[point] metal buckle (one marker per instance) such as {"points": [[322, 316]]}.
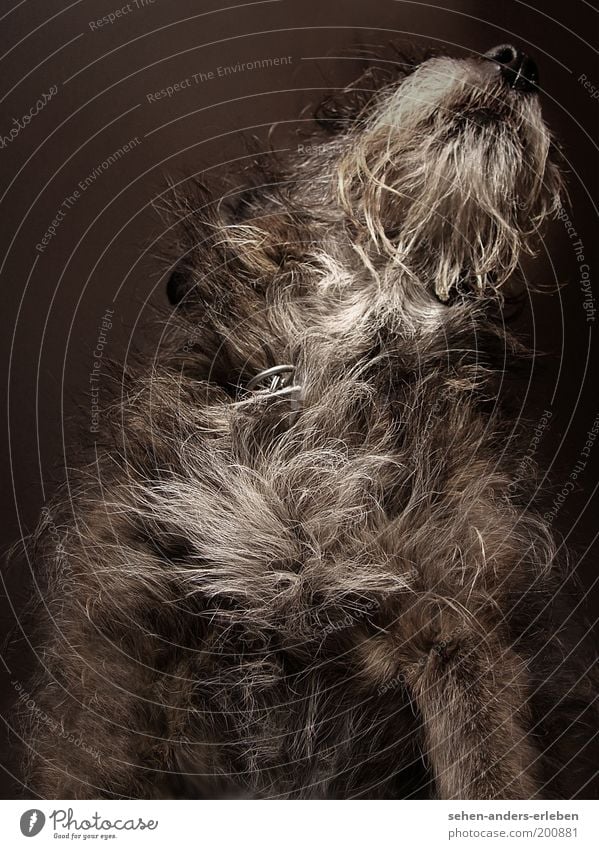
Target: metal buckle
{"points": [[271, 380], [275, 382]]}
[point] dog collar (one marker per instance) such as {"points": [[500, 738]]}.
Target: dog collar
{"points": [[273, 381]]}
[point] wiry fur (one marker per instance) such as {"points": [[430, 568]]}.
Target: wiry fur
{"points": [[346, 594]]}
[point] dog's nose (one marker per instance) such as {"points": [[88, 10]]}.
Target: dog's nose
{"points": [[518, 70]]}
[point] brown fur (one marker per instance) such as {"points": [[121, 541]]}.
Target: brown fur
{"points": [[344, 590]]}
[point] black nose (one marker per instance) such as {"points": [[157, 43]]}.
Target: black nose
{"points": [[518, 70]]}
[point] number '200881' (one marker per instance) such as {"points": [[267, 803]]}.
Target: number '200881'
{"points": [[556, 832]]}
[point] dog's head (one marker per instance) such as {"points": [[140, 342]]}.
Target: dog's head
{"points": [[436, 186], [448, 172]]}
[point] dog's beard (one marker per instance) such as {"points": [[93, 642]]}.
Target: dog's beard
{"points": [[450, 177]]}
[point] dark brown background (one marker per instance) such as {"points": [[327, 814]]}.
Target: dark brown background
{"points": [[102, 254]]}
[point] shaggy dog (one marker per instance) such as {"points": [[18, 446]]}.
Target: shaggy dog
{"points": [[303, 561]]}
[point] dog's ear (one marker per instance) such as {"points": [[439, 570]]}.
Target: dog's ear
{"points": [[342, 108], [382, 66]]}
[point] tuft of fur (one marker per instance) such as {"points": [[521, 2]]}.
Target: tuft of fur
{"points": [[344, 592]]}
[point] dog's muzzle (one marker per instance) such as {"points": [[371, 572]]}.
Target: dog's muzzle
{"points": [[519, 71]]}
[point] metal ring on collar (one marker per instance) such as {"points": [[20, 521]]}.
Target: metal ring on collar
{"points": [[280, 377]]}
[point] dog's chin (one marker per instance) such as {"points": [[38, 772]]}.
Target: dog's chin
{"points": [[501, 157], [452, 174], [480, 117]]}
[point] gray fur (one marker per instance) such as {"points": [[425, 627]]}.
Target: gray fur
{"points": [[344, 593]]}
